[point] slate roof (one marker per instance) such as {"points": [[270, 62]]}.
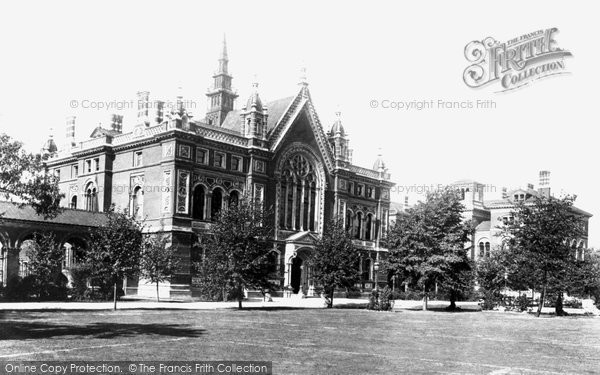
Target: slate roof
{"points": [[12, 211], [275, 109]]}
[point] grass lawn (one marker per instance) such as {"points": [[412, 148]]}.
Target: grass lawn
{"points": [[312, 341]]}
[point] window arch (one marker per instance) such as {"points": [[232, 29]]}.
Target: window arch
{"points": [[487, 249], [198, 198], [73, 203]]}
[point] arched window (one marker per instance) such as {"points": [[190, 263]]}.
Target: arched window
{"points": [[299, 194], [358, 225], [369, 224], [73, 204], [198, 203], [349, 223], [137, 203], [481, 250], [234, 198], [487, 249], [91, 197], [216, 203]]}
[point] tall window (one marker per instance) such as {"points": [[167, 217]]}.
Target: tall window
{"points": [[88, 166], [369, 227], [216, 203], [91, 198], [349, 224], [358, 226], [234, 198], [198, 203], [298, 203], [97, 164], [75, 170], [138, 159], [137, 206], [73, 204]]}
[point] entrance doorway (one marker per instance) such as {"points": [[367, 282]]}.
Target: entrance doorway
{"points": [[296, 278]]}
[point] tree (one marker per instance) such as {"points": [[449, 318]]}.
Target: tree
{"points": [[24, 179], [238, 254], [116, 248], [334, 261], [427, 245], [158, 259], [539, 238], [45, 265]]}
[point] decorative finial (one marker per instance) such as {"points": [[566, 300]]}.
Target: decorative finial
{"points": [[224, 52], [303, 81], [255, 82]]}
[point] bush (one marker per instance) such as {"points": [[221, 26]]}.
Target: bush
{"points": [[522, 303], [490, 300], [381, 301], [20, 289], [410, 295]]}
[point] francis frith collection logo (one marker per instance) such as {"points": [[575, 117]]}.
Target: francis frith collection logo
{"points": [[514, 63]]}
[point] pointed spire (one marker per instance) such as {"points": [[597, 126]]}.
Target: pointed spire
{"points": [[379, 164], [224, 52], [337, 128]]}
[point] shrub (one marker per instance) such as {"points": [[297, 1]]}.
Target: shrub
{"points": [[490, 300], [522, 303], [381, 301]]}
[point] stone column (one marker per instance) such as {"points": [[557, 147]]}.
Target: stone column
{"points": [[285, 203], [207, 205], [303, 192], [309, 206]]}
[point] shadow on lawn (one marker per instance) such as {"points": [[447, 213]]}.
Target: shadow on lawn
{"points": [[23, 330]]}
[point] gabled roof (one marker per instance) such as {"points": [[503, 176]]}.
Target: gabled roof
{"points": [[484, 226], [12, 211], [99, 131], [305, 236]]}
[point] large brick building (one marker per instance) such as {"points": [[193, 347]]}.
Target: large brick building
{"points": [[177, 171]]}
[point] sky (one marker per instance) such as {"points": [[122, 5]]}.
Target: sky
{"points": [[62, 58]]}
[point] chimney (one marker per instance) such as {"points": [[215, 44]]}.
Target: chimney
{"points": [[406, 205], [116, 123], [160, 114], [504, 193], [544, 186], [143, 107], [70, 127]]}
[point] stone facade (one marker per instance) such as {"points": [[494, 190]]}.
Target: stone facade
{"points": [[176, 172]]}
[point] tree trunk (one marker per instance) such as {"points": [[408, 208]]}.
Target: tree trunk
{"points": [[330, 302], [157, 296], [559, 305], [541, 305], [240, 296], [452, 306], [424, 300], [115, 296]]}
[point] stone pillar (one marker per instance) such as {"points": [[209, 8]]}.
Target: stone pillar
{"points": [[309, 206], [207, 205], [303, 192]]}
